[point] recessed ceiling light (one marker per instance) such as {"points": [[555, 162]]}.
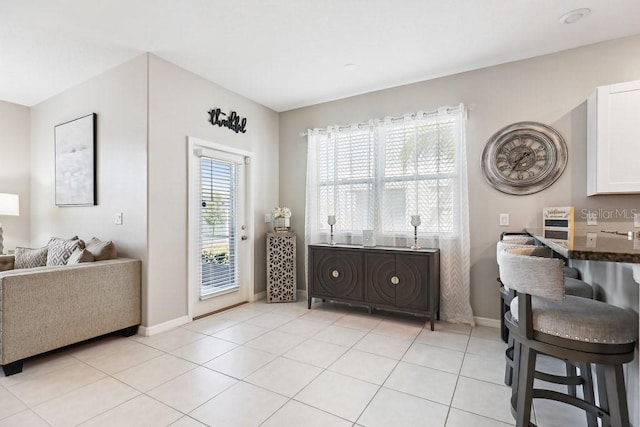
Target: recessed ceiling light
{"points": [[350, 67], [574, 16]]}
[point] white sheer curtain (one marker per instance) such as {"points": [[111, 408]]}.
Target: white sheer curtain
{"points": [[375, 175]]}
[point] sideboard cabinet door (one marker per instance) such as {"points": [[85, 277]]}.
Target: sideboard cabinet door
{"points": [[397, 281], [412, 289], [336, 273]]}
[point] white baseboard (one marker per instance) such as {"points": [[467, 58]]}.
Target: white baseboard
{"points": [[147, 331], [485, 321], [260, 295]]}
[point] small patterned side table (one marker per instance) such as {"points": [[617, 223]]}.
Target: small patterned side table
{"points": [[281, 267]]}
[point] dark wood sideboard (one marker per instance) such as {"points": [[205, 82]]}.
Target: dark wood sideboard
{"points": [[388, 278]]}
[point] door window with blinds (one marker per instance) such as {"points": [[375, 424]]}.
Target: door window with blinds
{"points": [[376, 176], [218, 226]]}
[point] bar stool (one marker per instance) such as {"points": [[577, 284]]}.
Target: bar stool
{"points": [[543, 320], [572, 287], [519, 238], [578, 288]]}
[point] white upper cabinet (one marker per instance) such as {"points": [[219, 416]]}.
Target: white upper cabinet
{"points": [[613, 139]]}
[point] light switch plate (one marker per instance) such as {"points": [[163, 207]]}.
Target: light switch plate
{"points": [[118, 218], [504, 219], [636, 219], [592, 218], [267, 217]]}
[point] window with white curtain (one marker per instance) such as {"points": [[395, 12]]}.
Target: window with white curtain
{"points": [[376, 175]]}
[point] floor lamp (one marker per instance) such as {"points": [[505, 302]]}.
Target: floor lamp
{"points": [[9, 206]]}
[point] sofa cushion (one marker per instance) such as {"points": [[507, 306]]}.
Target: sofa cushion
{"points": [[80, 255], [29, 258], [102, 250], [60, 250]]}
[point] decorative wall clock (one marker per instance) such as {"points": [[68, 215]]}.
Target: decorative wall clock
{"points": [[524, 158]]}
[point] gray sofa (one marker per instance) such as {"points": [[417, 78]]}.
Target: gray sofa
{"points": [[45, 308]]}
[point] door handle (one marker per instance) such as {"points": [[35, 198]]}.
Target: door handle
{"points": [[244, 237]]}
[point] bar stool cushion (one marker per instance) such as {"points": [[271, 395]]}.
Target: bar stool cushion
{"points": [[582, 319], [577, 288], [572, 272]]}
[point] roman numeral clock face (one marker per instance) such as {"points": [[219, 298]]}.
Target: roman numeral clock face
{"points": [[524, 158]]}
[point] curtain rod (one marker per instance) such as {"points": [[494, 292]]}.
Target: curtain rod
{"points": [[439, 112]]}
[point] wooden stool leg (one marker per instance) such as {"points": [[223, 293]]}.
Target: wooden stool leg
{"points": [[525, 385], [571, 372], [616, 396], [587, 391], [515, 373], [508, 368], [603, 400]]}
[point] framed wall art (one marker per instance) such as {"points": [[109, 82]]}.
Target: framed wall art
{"points": [[75, 157]]}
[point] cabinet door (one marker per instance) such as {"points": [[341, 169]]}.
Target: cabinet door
{"points": [[613, 139], [413, 276], [337, 274], [379, 272]]}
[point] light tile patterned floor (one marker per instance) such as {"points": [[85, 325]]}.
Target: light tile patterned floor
{"points": [[276, 365]]}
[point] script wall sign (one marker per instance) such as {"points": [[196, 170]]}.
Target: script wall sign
{"points": [[230, 121]]}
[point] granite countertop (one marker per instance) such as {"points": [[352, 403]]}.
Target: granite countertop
{"points": [[596, 246]]}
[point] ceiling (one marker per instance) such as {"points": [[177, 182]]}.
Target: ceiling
{"points": [[286, 54]]}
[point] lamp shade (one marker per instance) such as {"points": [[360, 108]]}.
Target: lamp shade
{"points": [[9, 204]]}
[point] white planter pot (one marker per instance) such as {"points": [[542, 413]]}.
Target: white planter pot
{"points": [[281, 223]]}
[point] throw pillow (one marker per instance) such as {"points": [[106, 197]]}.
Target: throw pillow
{"points": [[61, 240], [102, 250], [80, 255], [29, 258], [60, 251]]}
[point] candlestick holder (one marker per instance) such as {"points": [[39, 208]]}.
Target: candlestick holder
{"points": [[331, 220], [415, 221]]}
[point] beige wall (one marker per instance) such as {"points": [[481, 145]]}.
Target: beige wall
{"points": [[146, 109], [14, 171], [551, 89], [119, 98], [178, 105]]}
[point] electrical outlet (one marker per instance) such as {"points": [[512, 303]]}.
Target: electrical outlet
{"points": [[592, 218], [267, 217], [118, 218], [504, 219], [636, 219], [591, 240]]}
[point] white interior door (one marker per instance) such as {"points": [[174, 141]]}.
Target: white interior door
{"points": [[220, 273]]}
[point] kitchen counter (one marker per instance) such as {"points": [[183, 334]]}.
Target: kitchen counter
{"points": [[596, 246]]}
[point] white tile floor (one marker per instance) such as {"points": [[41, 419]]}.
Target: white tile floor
{"points": [[276, 365]]}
